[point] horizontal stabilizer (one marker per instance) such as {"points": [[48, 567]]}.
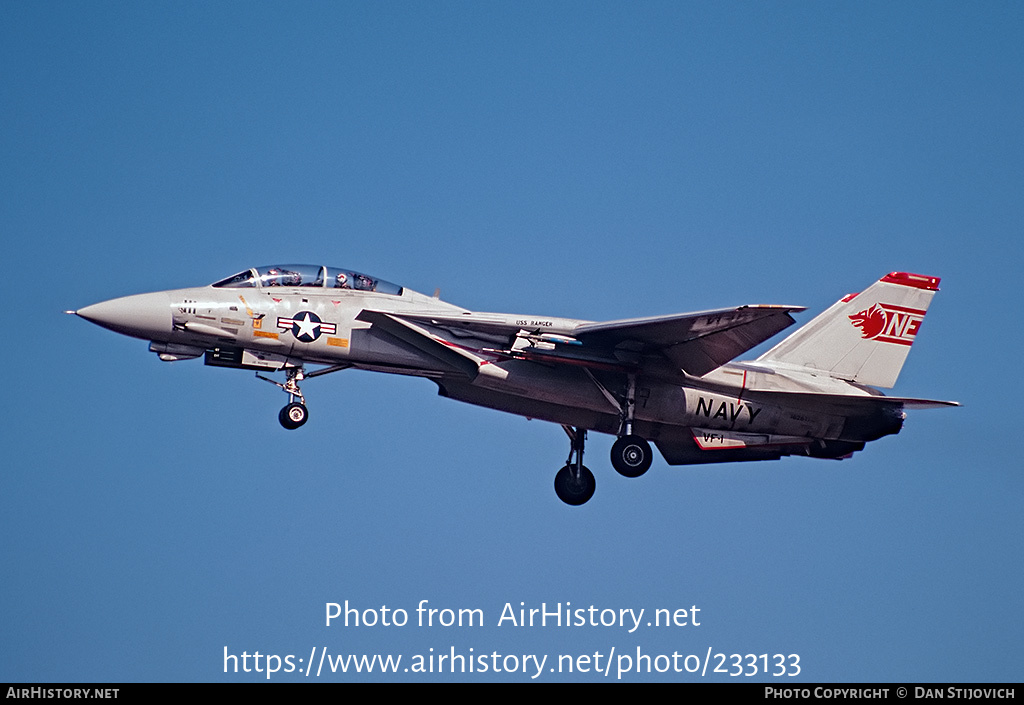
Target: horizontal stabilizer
{"points": [[908, 403], [851, 402]]}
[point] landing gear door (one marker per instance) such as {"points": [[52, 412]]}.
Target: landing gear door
{"points": [[240, 358]]}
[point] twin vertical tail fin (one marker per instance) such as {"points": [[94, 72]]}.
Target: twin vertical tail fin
{"points": [[865, 337]]}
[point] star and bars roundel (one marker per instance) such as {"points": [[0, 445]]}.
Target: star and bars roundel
{"points": [[306, 326]]}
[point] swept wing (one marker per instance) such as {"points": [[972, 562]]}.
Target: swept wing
{"points": [[695, 342]]}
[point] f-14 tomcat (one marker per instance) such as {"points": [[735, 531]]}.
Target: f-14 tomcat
{"points": [[671, 380]]}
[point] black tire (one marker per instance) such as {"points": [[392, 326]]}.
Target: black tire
{"points": [[631, 456], [574, 492], [293, 416]]}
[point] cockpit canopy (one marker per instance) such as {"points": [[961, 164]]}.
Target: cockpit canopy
{"points": [[307, 275]]}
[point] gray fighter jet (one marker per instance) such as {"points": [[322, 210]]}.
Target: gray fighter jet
{"points": [[670, 380]]}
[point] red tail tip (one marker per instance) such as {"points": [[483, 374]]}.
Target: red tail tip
{"points": [[918, 281]]}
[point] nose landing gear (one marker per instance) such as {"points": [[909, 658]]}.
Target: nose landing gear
{"points": [[295, 413]]}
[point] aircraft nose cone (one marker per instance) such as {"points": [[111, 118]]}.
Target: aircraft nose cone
{"points": [[146, 316]]}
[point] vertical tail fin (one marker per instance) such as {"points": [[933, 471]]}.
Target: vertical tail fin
{"points": [[863, 337]]}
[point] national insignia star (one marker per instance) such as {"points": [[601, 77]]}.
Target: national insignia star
{"points": [[307, 327]]}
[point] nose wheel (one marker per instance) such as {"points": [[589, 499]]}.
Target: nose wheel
{"points": [[293, 415]]}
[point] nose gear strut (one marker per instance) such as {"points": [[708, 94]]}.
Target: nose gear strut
{"points": [[294, 414]]}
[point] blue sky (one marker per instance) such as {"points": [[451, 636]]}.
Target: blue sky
{"points": [[591, 160]]}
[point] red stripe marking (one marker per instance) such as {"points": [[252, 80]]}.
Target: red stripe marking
{"points": [[903, 309]]}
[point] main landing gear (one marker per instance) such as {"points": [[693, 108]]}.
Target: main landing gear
{"points": [[631, 454], [574, 483]]}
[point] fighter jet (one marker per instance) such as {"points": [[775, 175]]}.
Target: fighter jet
{"points": [[671, 380]]}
